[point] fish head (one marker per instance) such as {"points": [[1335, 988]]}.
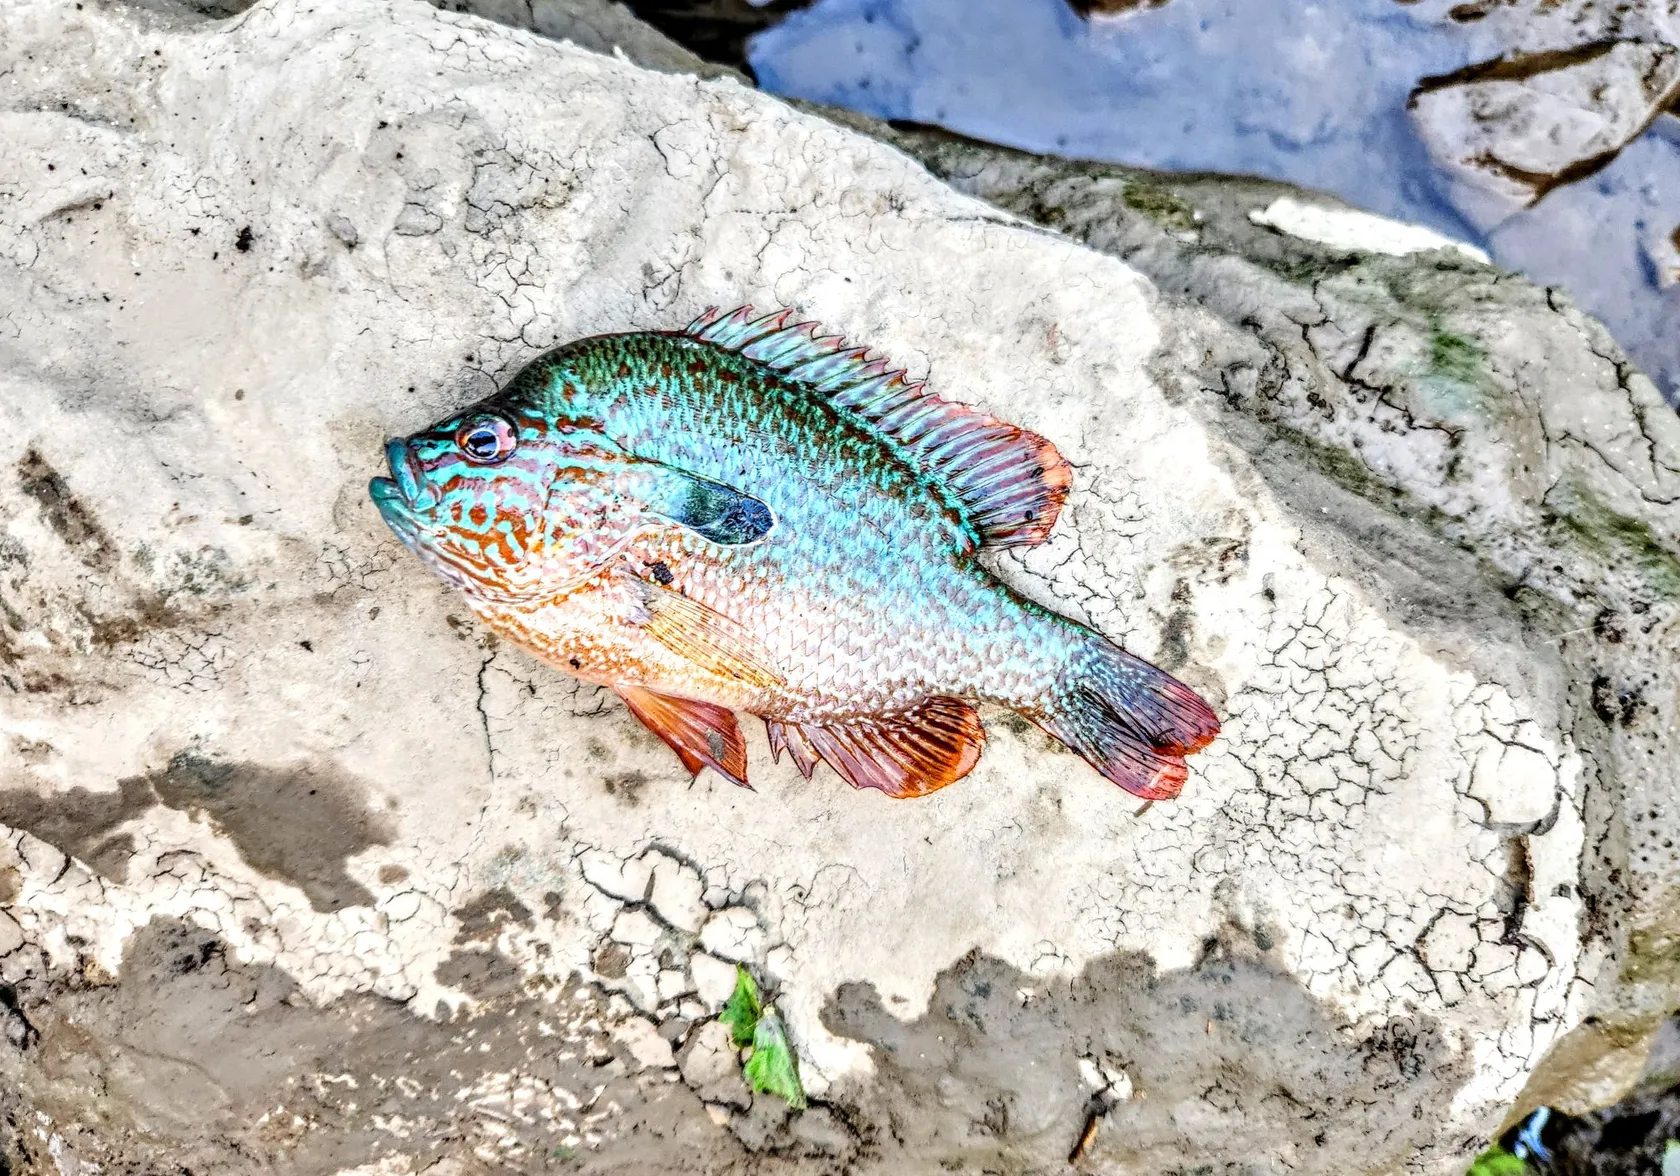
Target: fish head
{"points": [[471, 494]]}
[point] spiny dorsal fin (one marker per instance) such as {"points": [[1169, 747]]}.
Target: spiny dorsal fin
{"points": [[1011, 483]]}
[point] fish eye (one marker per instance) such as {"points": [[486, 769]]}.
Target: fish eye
{"points": [[486, 439]]}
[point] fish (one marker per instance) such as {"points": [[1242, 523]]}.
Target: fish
{"points": [[750, 515]]}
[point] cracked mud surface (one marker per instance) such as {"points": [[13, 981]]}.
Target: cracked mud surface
{"points": [[233, 705]]}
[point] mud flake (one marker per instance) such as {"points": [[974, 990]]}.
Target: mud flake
{"points": [[483, 916]]}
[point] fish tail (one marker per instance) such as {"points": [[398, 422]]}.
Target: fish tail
{"points": [[1130, 721]]}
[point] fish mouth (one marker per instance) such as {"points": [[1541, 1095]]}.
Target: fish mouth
{"points": [[403, 496], [405, 483], [405, 469]]}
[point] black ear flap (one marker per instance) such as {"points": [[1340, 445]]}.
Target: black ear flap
{"points": [[724, 515], [708, 508]]}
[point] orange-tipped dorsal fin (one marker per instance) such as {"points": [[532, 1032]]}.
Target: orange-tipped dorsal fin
{"points": [[702, 735], [907, 753], [1009, 483]]}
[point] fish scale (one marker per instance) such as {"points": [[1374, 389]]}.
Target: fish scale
{"points": [[749, 515]]}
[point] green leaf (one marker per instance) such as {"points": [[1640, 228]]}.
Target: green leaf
{"points": [[1671, 1158], [1496, 1161], [742, 1010], [773, 1069]]}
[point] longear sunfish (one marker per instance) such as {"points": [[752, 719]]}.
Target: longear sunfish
{"points": [[746, 515]]}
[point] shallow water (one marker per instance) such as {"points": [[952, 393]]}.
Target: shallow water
{"points": [[1314, 94]]}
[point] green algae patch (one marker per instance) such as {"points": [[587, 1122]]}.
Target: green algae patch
{"points": [[1340, 466], [1167, 209], [1456, 357], [1303, 268], [1613, 536], [773, 1067], [1447, 375], [1496, 1161]]}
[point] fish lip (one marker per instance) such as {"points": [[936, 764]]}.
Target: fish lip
{"points": [[393, 507], [386, 493], [402, 498], [405, 475]]}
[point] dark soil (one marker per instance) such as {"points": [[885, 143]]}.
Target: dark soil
{"points": [[717, 30], [1624, 1140]]}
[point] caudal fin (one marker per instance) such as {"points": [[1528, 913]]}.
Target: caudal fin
{"points": [[1129, 720]]}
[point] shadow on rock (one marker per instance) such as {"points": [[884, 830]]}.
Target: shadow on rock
{"points": [[192, 1061]]}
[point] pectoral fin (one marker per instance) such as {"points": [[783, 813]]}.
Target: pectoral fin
{"points": [[702, 735], [700, 634]]}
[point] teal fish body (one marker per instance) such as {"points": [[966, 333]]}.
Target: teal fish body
{"points": [[748, 516]]}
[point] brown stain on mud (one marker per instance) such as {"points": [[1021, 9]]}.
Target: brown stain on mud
{"points": [[121, 612], [71, 521], [483, 916], [80, 821], [296, 823], [626, 787]]}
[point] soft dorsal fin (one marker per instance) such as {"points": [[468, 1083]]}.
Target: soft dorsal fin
{"points": [[1009, 482]]}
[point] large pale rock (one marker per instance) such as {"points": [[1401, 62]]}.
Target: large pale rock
{"points": [[1571, 84], [1425, 408], [235, 255], [1538, 26]]}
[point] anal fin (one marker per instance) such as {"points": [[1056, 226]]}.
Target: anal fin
{"points": [[702, 734], [789, 738], [908, 753]]}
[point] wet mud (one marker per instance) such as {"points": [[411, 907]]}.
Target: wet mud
{"points": [[296, 823]]}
